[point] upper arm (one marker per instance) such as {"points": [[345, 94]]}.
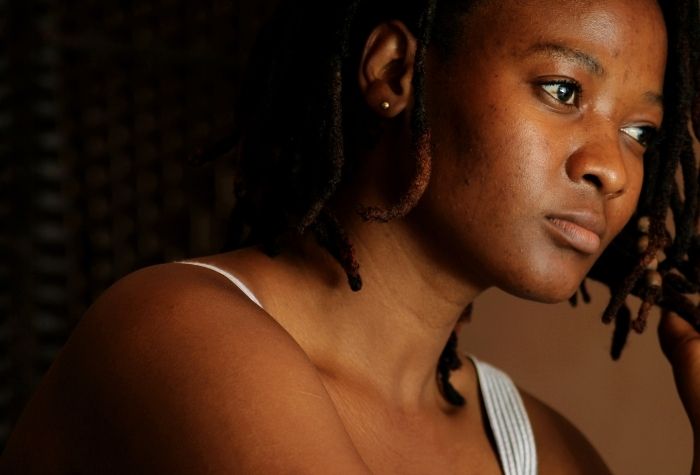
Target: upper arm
{"points": [[561, 447], [171, 377]]}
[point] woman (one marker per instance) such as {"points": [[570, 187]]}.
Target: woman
{"points": [[397, 159]]}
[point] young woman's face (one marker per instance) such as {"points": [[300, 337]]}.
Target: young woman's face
{"points": [[540, 119]]}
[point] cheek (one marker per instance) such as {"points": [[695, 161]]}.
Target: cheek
{"points": [[520, 157], [497, 159], [499, 167]]}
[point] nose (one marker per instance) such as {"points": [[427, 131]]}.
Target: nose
{"points": [[599, 162]]}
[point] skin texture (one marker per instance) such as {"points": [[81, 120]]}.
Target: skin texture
{"points": [[200, 380], [511, 155]]}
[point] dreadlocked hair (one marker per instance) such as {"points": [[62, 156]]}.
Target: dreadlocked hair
{"points": [[657, 265], [302, 131], [294, 150]]}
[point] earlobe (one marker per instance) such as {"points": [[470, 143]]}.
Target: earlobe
{"points": [[386, 69]]}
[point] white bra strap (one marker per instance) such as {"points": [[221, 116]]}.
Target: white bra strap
{"points": [[508, 420], [234, 280]]}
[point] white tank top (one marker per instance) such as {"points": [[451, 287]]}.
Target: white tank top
{"points": [[505, 411]]}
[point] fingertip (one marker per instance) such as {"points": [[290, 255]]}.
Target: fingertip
{"points": [[675, 323], [673, 332], [670, 330]]}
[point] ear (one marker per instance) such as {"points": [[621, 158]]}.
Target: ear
{"points": [[386, 69]]}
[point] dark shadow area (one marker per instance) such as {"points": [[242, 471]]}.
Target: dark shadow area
{"points": [[101, 104]]}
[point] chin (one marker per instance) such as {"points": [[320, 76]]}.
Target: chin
{"points": [[542, 297], [545, 287]]}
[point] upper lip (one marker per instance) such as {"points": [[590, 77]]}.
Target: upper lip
{"points": [[590, 220]]}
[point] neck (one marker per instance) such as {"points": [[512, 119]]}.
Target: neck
{"points": [[390, 334]]}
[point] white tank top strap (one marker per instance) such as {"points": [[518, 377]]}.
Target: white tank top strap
{"points": [[508, 420], [234, 280]]}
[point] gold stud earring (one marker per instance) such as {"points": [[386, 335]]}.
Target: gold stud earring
{"points": [[385, 105]]}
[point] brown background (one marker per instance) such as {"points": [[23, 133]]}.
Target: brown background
{"points": [[628, 409]]}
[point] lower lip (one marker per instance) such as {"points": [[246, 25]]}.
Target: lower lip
{"points": [[577, 237]]}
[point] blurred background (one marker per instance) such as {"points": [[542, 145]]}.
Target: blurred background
{"points": [[101, 104]]}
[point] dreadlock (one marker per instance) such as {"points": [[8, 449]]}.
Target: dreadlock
{"points": [[302, 130], [648, 260]]}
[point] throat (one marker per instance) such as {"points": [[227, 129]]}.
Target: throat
{"points": [[430, 402]]}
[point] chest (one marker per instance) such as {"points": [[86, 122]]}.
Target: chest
{"points": [[422, 456], [394, 442]]}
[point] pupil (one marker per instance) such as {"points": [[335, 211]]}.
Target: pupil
{"points": [[645, 137], [564, 92]]}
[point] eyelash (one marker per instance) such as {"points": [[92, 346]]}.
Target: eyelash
{"points": [[558, 85], [646, 136]]}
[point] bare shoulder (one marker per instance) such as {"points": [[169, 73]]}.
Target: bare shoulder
{"points": [[561, 447], [174, 370]]}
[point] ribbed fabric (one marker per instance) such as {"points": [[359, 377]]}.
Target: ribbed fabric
{"points": [[508, 420], [504, 407], [229, 276]]}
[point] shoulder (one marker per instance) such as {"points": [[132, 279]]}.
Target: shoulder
{"points": [[561, 447], [174, 370]]}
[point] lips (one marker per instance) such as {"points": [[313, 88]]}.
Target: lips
{"points": [[581, 230]]}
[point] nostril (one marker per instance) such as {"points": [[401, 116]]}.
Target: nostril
{"points": [[595, 179]]}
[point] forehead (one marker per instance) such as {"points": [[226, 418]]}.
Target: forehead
{"points": [[616, 26], [624, 37]]}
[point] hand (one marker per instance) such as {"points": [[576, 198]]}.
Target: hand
{"points": [[680, 343]]}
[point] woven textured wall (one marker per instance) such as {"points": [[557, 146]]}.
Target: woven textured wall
{"points": [[101, 103]]}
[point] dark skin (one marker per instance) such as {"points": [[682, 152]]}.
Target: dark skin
{"points": [[524, 156], [179, 361]]}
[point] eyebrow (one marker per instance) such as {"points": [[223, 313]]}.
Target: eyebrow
{"points": [[590, 63], [654, 98], [557, 50]]}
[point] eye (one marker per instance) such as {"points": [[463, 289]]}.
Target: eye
{"points": [[644, 135], [566, 92]]}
